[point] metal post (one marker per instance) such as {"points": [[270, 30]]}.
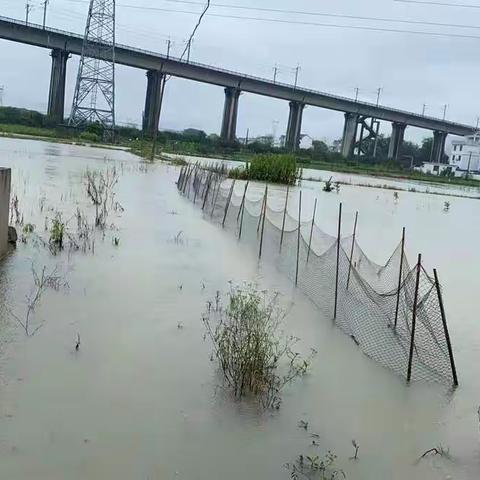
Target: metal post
{"points": [[263, 221], [298, 235], [216, 197], [400, 278], [242, 210], [243, 200], [338, 259], [284, 216], [445, 328], [195, 187], [351, 251], [209, 181], [311, 230], [414, 318], [261, 215], [228, 203]]}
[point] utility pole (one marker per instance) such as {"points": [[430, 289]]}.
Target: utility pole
{"points": [[246, 138], [2, 90], [275, 71], [297, 69], [28, 8], [356, 94], [169, 44], [423, 109], [45, 4], [445, 111]]}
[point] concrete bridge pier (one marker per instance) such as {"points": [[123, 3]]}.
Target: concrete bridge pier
{"points": [[349, 134], [230, 114], [438, 147], [396, 140], [294, 127], [56, 95], [153, 101]]}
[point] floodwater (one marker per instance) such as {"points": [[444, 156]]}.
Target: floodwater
{"points": [[365, 180], [139, 400]]}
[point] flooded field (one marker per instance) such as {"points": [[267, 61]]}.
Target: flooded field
{"points": [[140, 398]]}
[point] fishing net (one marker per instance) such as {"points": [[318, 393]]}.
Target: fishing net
{"points": [[381, 307]]}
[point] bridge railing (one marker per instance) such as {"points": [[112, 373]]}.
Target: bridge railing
{"points": [[237, 74]]}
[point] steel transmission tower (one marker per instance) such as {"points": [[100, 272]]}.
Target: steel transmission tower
{"points": [[94, 99]]}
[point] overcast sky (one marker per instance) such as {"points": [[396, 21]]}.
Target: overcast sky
{"points": [[412, 69]]}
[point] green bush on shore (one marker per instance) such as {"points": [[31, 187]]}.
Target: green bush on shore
{"points": [[269, 168]]}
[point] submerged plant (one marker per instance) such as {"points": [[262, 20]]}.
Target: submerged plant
{"points": [[328, 187], [253, 355], [57, 232], [41, 282], [100, 190], [314, 467]]}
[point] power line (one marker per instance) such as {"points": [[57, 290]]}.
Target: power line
{"points": [[328, 25], [304, 12], [441, 4], [319, 24]]}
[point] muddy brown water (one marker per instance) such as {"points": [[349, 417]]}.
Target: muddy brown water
{"points": [[139, 400]]}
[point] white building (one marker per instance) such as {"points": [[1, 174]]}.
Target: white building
{"points": [[465, 155]]}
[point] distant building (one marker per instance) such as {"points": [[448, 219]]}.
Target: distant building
{"points": [[431, 168], [465, 155]]}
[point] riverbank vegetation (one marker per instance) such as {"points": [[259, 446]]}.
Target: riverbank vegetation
{"points": [[194, 142], [269, 168]]}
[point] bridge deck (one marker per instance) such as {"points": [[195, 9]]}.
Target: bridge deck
{"points": [[31, 34]]}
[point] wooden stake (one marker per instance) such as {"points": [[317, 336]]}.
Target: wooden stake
{"points": [[228, 203], [445, 328], [263, 221], [261, 214], [338, 259], [242, 210], [414, 318], [351, 251], [311, 230], [284, 216], [298, 235], [400, 279]]}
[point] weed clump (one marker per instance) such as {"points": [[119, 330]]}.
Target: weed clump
{"points": [[254, 357]]}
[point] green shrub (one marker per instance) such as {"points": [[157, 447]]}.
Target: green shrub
{"points": [[269, 168], [89, 137]]}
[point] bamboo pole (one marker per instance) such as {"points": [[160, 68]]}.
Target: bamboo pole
{"points": [[338, 260], [243, 200], [351, 251], [228, 203], [298, 235], [414, 318], [263, 221], [311, 230], [400, 278], [242, 211], [445, 328], [284, 217]]}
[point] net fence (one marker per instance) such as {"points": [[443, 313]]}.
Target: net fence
{"points": [[393, 312]]}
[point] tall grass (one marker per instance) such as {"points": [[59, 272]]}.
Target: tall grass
{"points": [[269, 168]]}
